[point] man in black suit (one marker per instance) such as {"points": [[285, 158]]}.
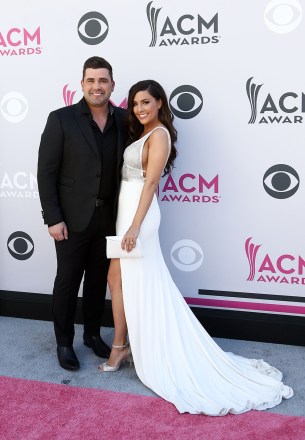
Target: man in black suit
{"points": [[79, 165]]}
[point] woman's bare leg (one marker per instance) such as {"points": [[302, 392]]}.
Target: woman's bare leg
{"points": [[120, 325]]}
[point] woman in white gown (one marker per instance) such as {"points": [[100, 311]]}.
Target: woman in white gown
{"points": [[173, 354]]}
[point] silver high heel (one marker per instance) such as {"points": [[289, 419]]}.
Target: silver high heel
{"points": [[126, 357]]}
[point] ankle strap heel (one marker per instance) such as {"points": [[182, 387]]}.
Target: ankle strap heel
{"points": [[121, 346], [127, 356]]}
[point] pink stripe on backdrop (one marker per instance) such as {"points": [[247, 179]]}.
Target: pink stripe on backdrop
{"points": [[227, 304]]}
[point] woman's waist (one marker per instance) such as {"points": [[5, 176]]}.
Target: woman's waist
{"points": [[137, 180], [132, 173]]}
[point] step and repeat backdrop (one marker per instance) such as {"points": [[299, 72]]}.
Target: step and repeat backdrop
{"points": [[233, 212]]}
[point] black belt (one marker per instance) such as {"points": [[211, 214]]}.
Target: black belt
{"points": [[102, 202]]}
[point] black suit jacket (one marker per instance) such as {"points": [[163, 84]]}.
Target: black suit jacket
{"points": [[69, 166]]}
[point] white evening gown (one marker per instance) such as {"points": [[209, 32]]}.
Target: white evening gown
{"points": [[173, 354]]}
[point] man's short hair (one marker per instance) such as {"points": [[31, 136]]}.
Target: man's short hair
{"points": [[97, 63]]}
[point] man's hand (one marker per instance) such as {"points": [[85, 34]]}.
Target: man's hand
{"points": [[59, 232]]}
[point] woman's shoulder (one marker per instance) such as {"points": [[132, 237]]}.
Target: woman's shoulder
{"points": [[159, 132], [159, 137]]}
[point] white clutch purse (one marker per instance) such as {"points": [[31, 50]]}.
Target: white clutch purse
{"points": [[114, 250]]}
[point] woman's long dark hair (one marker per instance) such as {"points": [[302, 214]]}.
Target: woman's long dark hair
{"points": [[165, 116]]}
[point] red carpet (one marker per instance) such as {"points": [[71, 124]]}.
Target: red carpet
{"points": [[36, 410]]}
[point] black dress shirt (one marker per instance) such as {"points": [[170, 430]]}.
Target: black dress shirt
{"points": [[106, 141]]}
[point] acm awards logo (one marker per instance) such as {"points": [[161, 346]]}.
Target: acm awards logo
{"points": [[284, 109], [20, 245], [282, 269], [93, 28], [19, 185], [186, 30], [68, 95], [281, 181], [189, 188], [16, 41]]}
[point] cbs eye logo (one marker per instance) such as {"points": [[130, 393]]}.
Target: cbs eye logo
{"points": [[20, 245], [93, 28], [187, 255], [14, 107], [281, 181], [283, 16], [186, 102]]}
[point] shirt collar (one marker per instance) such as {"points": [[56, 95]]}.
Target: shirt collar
{"points": [[86, 109]]}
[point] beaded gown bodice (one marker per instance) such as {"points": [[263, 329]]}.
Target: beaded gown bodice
{"points": [[132, 166]]}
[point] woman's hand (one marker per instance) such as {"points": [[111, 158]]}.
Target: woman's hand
{"points": [[130, 238]]}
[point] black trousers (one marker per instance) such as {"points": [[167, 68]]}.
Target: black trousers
{"points": [[84, 253]]}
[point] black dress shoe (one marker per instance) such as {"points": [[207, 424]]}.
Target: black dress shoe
{"points": [[67, 358], [98, 345]]}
